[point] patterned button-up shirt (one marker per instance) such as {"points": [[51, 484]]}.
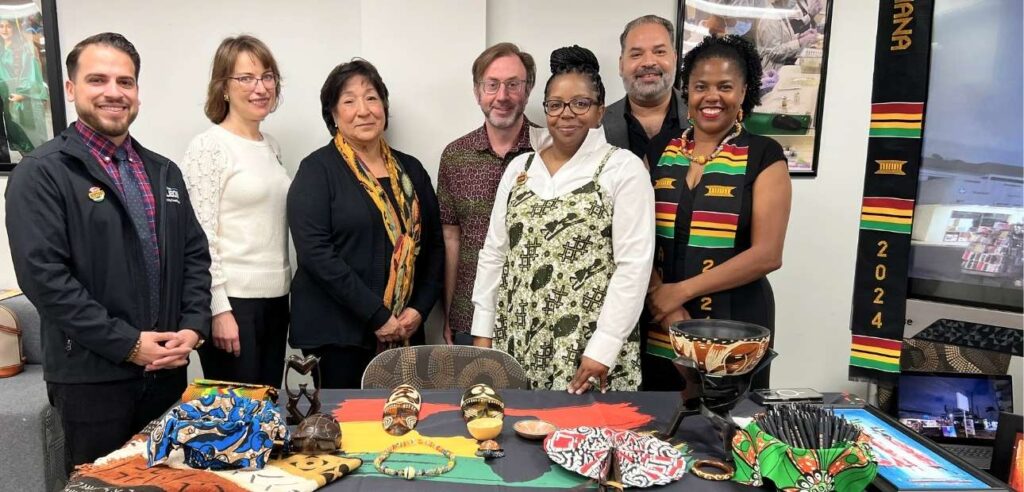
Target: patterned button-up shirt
{"points": [[466, 184], [102, 149]]}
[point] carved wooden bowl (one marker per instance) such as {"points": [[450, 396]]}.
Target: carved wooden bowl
{"points": [[720, 347]]}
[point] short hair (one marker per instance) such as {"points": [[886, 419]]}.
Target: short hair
{"points": [[336, 80], [500, 50], [576, 59], [227, 53], [647, 19], [733, 48], [111, 39]]}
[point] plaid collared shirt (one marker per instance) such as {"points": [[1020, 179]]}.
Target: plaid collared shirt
{"points": [[102, 149]]}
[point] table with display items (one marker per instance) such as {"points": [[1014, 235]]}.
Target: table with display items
{"points": [[525, 465]]}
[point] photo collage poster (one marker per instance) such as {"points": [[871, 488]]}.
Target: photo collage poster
{"points": [[791, 36]]}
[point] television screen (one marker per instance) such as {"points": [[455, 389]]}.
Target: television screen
{"points": [[969, 222], [960, 406]]}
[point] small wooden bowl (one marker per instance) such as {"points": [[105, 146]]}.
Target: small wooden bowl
{"points": [[534, 429]]}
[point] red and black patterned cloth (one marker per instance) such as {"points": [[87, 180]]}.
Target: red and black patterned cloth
{"points": [[467, 181]]}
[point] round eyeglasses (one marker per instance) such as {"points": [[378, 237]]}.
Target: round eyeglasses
{"points": [[579, 107], [249, 81]]}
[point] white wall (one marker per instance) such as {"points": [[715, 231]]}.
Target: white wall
{"points": [[814, 288], [424, 50], [541, 26], [176, 41]]}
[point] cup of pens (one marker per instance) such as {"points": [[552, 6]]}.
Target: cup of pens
{"points": [[803, 447]]}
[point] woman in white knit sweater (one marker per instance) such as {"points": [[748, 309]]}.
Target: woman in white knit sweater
{"points": [[238, 187]]}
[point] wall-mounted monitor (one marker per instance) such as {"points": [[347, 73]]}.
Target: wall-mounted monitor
{"points": [[968, 236]]}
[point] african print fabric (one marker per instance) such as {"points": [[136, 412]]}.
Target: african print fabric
{"points": [[759, 456], [219, 442], [554, 282], [219, 432], [126, 470], [202, 387], [623, 456]]}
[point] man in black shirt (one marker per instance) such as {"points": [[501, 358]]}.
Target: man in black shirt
{"points": [[647, 64]]}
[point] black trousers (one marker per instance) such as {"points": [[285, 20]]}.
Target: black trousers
{"points": [[462, 338], [341, 367], [98, 418], [262, 333]]}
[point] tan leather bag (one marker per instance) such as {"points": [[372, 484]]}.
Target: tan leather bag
{"points": [[12, 361]]}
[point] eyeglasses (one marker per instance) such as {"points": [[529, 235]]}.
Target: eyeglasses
{"points": [[579, 107], [249, 81], [514, 86]]}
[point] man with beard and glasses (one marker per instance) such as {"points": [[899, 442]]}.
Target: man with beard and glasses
{"points": [[651, 107], [106, 246], [470, 170]]}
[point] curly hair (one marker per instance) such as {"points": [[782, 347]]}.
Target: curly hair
{"points": [[576, 59], [733, 48]]}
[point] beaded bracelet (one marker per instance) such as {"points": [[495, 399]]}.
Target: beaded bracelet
{"points": [[409, 472], [135, 351]]}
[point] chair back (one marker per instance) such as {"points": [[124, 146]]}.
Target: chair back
{"points": [[444, 367]]}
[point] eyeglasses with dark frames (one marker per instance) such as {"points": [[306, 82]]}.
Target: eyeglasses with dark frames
{"points": [[579, 106]]}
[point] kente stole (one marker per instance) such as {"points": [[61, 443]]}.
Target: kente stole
{"points": [[717, 203]]}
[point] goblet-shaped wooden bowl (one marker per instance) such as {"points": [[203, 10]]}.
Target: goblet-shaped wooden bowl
{"points": [[720, 347]]}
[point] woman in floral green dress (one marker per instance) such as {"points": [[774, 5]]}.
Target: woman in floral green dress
{"points": [[23, 89], [563, 272]]}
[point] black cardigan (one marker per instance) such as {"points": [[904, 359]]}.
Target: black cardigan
{"points": [[340, 242]]}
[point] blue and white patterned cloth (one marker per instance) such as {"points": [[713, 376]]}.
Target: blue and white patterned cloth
{"points": [[219, 432]]}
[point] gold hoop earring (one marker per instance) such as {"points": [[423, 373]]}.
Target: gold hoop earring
{"points": [[739, 117]]}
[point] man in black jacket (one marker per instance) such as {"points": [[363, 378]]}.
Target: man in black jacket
{"points": [[651, 107], [106, 246]]}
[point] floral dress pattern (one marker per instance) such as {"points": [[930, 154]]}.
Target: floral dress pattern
{"points": [[554, 281]]}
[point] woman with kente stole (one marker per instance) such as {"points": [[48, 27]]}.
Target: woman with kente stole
{"points": [[563, 272], [723, 201]]}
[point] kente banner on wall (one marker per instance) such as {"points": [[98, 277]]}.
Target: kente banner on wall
{"points": [[900, 88]]}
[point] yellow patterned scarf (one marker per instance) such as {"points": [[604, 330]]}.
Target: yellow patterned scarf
{"points": [[402, 225]]}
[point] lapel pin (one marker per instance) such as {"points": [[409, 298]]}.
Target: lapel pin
{"points": [[96, 194]]}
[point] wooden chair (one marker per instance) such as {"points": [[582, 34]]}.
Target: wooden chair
{"points": [[444, 367]]}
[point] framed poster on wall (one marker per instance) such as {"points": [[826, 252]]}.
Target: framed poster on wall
{"points": [[792, 38], [31, 91]]}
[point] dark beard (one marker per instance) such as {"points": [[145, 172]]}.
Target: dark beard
{"points": [[105, 128]]}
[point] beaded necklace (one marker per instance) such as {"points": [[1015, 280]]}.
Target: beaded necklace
{"points": [[700, 160], [409, 472]]}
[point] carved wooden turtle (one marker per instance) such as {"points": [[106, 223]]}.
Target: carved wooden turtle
{"points": [[317, 434], [490, 449]]}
